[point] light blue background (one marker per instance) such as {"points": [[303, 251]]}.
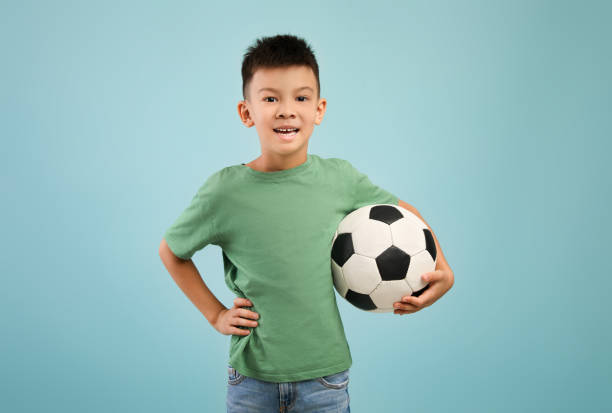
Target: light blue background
{"points": [[491, 118]]}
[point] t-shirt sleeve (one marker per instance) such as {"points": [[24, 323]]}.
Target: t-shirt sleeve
{"points": [[364, 192], [195, 227]]}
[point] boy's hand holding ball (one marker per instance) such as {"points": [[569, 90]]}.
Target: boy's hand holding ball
{"points": [[440, 281]]}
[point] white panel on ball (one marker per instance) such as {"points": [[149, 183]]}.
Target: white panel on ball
{"points": [[371, 238], [389, 292], [361, 274], [419, 265], [403, 231], [350, 222]]}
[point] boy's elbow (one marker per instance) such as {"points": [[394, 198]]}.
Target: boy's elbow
{"points": [[163, 247], [166, 253], [451, 277]]}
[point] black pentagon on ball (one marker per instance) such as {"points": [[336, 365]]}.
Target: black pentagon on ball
{"points": [[362, 301], [430, 244], [393, 264], [342, 248], [385, 213]]}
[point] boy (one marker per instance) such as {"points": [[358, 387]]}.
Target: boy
{"points": [[274, 219]]}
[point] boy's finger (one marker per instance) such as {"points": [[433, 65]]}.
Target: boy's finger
{"points": [[404, 306], [420, 301], [408, 299], [402, 312], [242, 302], [240, 331], [414, 300], [248, 314], [431, 276]]}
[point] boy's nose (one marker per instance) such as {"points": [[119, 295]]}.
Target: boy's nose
{"points": [[285, 112], [286, 115]]}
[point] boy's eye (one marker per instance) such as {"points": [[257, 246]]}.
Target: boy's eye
{"points": [[299, 97]]}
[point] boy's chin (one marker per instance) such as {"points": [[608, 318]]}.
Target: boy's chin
{"points": [[289, 151]]}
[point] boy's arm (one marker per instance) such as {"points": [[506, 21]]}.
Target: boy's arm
{"points": [[187, 277]]}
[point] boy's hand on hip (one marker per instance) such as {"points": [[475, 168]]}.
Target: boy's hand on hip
{"points": [[229, 319], [440, 281]]}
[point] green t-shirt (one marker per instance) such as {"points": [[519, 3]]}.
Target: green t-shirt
{"points": [[275, 230]]}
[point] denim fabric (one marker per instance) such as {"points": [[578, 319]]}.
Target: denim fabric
{"points": [[327, 394]]}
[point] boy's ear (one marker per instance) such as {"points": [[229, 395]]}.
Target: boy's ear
{"points": [[320, 110], [244, 114]]}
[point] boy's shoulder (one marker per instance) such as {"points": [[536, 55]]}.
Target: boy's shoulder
{"points": [[333, 162], [339, 164]]}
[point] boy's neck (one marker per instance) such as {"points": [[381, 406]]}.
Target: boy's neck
{"points": [[273, 163]]}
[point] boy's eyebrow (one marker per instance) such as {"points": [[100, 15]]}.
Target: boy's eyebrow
{"points": [[274, 90]]}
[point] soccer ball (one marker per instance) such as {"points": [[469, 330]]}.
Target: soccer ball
{"points": [[378, 255]]}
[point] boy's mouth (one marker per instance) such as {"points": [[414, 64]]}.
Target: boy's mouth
{"points": [[285, 130], [286, 133]]}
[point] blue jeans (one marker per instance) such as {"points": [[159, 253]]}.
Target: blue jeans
{"points": [[325, 394]]}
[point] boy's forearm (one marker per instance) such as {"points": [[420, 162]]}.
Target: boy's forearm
{"points": [[187, 277]]}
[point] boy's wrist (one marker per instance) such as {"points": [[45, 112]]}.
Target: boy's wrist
{"points": [[213, 320]]}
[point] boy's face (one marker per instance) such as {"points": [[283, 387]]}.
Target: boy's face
{"points": [[288, 100]]}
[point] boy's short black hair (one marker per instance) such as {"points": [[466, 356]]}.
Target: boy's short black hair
{"points": [[278, 51]]}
